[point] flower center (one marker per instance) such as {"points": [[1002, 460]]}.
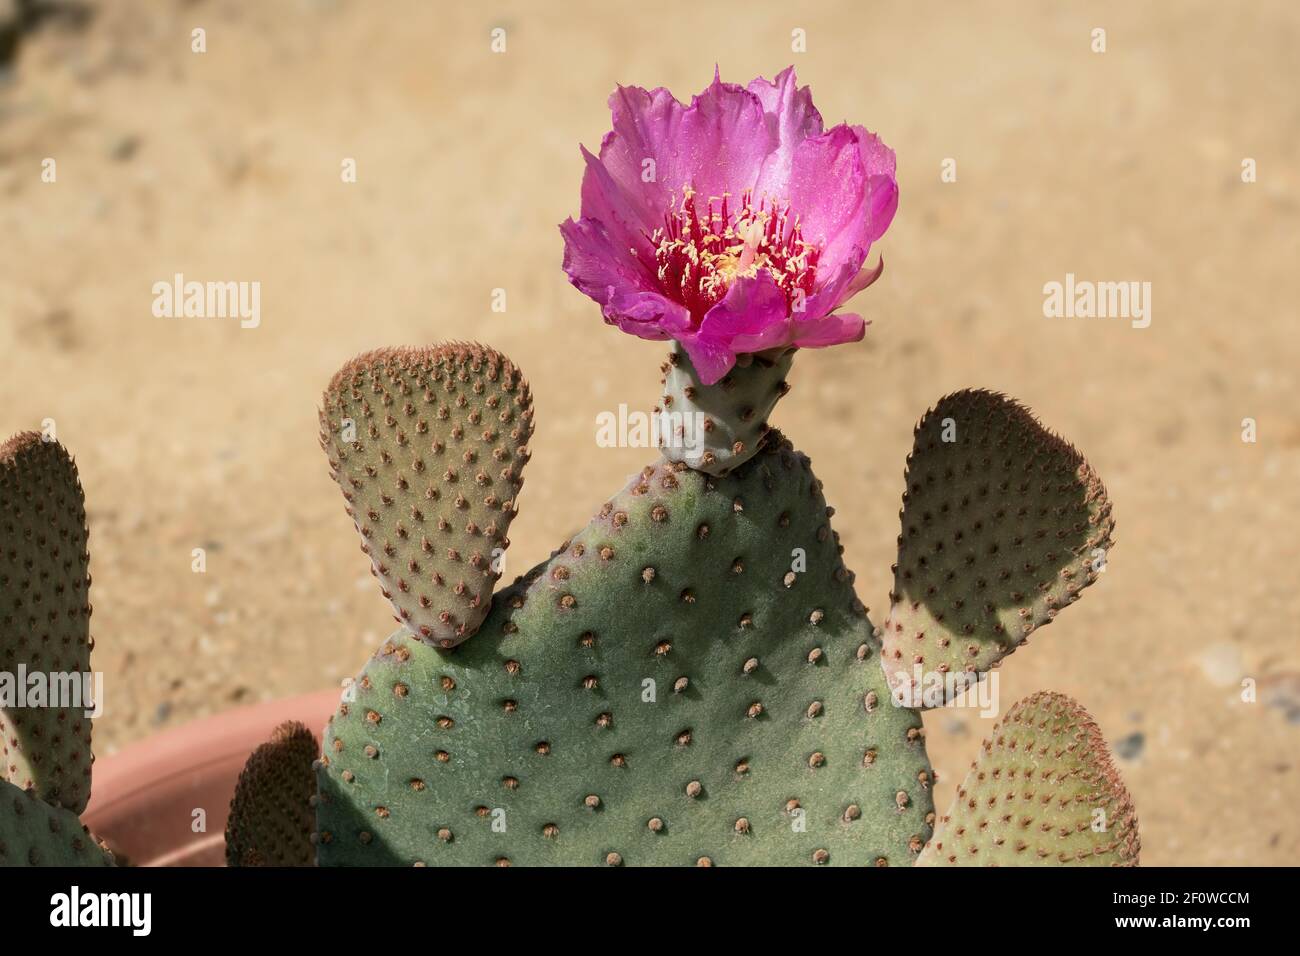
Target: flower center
{"points": [[699, 253]]}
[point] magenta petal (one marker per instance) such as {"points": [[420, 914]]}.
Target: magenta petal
{"points": [[832, 288], [882, 186], [882, 202], [625, 215], [830, 330], [715, 145], [828, 190], [791, 114], [863, 279], [751, 316], [596, 265], [712, 360], [624, 291], [877, 158], [844, 190], [842, 287], [647, 124], [647, 314], [724, 138]]}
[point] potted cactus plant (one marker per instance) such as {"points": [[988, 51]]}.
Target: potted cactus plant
{"points": [[690, 679]]}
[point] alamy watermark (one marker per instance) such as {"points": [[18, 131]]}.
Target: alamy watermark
{"points": [[72, 689], [179, 299], [1083, 299], [928, 689], [659, 429], [133, 911]]}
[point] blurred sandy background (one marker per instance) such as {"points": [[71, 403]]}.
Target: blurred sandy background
{"points": [[1117, 166]]}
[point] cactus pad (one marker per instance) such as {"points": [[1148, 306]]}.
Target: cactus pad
{"points": [[1003, 525], [688, 681], [715, 428], [33, 833], [271, 818], [428, 445], [44, 621], [1043, 792]]}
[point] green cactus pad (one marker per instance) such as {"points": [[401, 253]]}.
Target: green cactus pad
{"points": [[715, 428], [271, 816], [44, 622], [428, 445], [1003, 525], [688, 681], [33, 833], [1043, 792]]}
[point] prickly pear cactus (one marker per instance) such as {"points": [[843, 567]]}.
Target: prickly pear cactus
{"points": [[689, 680], [692, 680], [714, 429], [44, 620], [271, 819], [428, 446], [34, 833], [1043, 792], [1003, 526], [45, 752]]}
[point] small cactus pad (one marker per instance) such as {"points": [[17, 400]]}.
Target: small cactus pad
{"points": [[688, 681], [33, 833], [1003, 525], [1043, 793], [44, 623], [271, 817], [715, 428], [428, 445]]}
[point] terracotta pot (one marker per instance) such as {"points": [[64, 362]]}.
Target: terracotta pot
{"points": [[143, 798]]}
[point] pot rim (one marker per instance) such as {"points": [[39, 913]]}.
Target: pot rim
{"points": [[143, 797]]}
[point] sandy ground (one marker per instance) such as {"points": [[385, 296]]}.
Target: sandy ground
{"points": [[1123, 165]]}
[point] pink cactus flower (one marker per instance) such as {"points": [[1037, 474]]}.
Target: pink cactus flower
{"points": [[733, 225]]}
